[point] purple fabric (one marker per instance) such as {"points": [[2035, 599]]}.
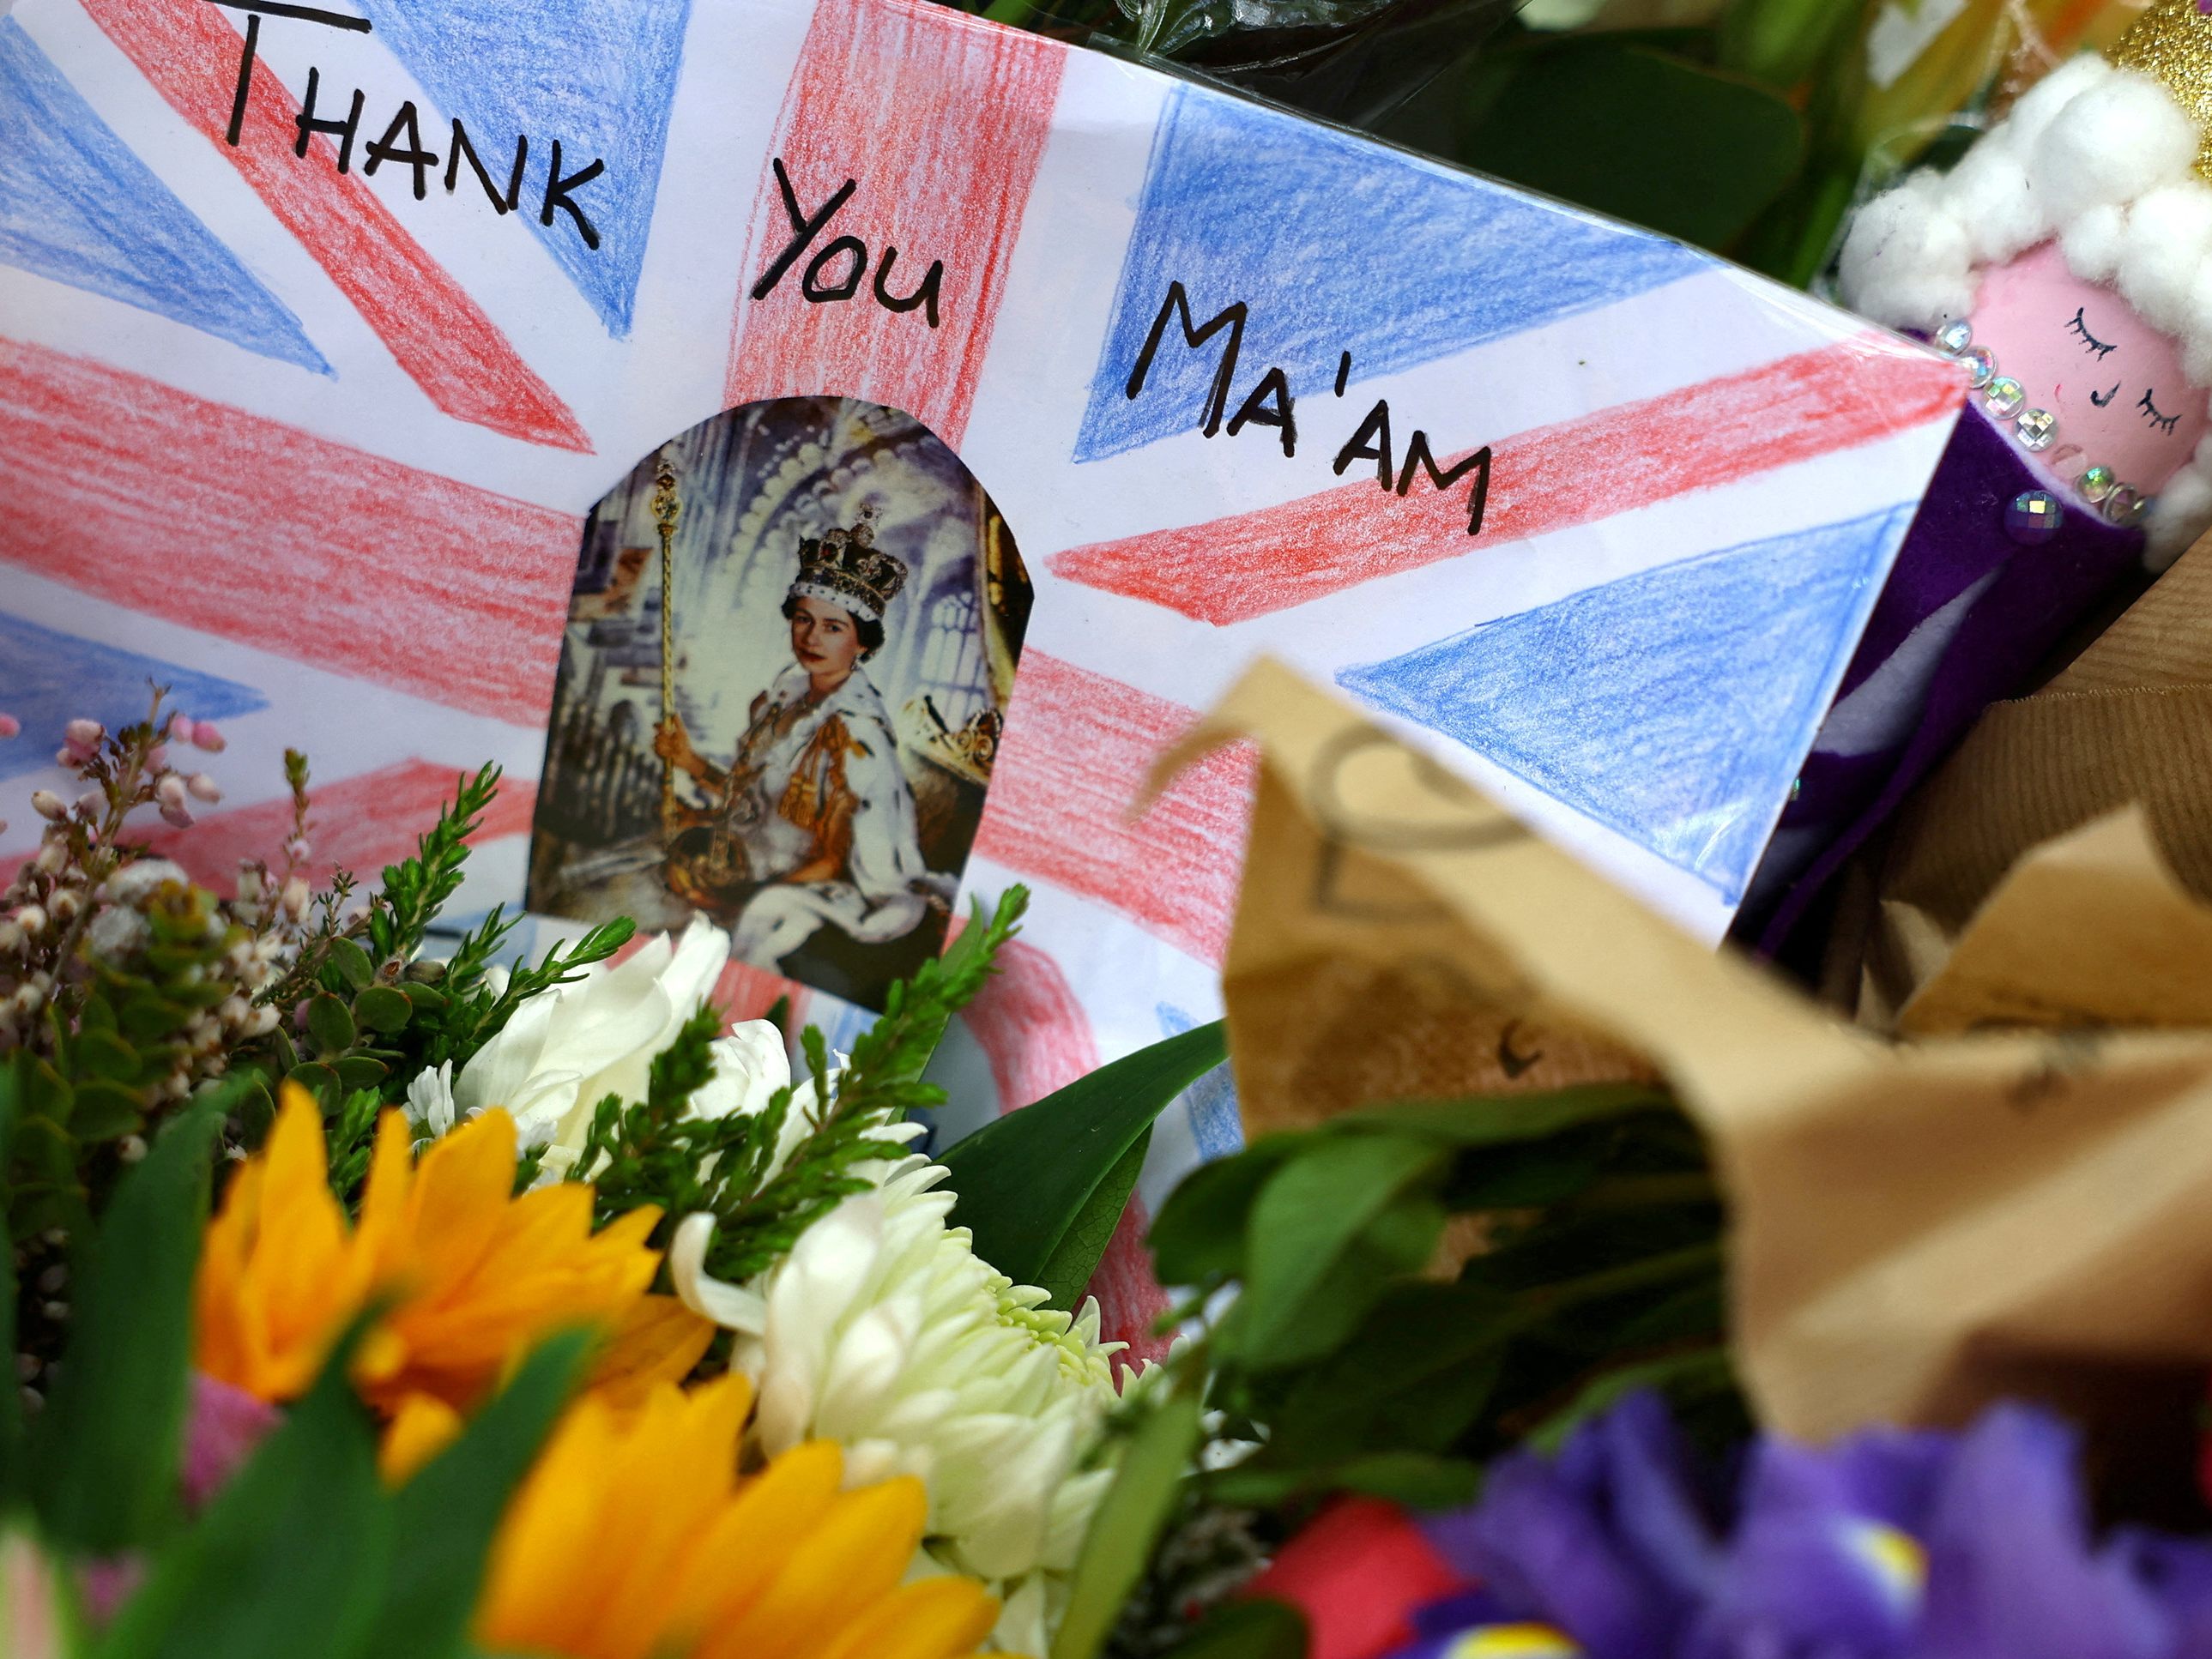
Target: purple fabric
{"points": [[1957, 537]]}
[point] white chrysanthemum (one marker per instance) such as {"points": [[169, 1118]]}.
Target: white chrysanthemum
{"points": [[568, 1048], [884, 1331]]}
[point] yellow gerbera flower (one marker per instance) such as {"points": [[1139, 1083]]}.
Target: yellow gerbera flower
{"points": [[632, 1536], [474, 1275]]}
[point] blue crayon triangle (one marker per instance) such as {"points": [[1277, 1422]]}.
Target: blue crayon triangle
{"points": [[78, 207], [1334, 244], [1673, 705], [598, 75], [48, 678]]}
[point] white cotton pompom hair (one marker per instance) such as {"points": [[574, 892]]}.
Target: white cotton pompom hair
{"points": [[2103, 158], [1908, 261]]}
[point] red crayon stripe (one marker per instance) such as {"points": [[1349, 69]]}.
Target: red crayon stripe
{"points": [[190, 52], [359, 824], [1632, 455], [1079, 747], [920, 83], [257, 531], [1031, 1027]]}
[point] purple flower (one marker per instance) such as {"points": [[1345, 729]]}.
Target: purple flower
{"points": [[1606, 1540], [1888, 1545]]}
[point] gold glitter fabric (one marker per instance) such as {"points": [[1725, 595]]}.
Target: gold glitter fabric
{"points": [[2173, 41]]}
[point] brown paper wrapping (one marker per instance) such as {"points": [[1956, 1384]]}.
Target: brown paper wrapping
{"points": [[2129, 722], [1917, 1227]]}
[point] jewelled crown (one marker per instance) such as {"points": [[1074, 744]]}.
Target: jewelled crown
{"points": [[846, 567], [2173, 41]]}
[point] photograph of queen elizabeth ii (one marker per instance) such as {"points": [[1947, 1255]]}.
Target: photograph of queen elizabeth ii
{"points": [[790, 646]]}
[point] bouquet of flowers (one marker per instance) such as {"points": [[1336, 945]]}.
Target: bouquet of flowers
{"points": [[370, 1301]]}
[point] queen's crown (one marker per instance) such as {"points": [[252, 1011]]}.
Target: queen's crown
{"points": [[847, 568]]}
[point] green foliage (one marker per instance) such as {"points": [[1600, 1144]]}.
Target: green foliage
{"points": [[1633, 125], [654, 1152], [1360, 1369], [1253, 1629], [109, 1074], [1136, 1509], [103, 1462], [305, 1552], [416, 888], [1042, 1189]]}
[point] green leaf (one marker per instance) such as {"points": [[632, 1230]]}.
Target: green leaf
{"points": [[1499, 1119], [1423, 1363], [1640, 133], [358, 1072], [103, 1111], [350, 963], [104, 1054], [1024, 1179], [330, 1025], [383, 1008], [1199, 1234], [320, 1081], [1706, 1371], [1129, 1523], [42, 1092], [1256, 1629], [1075, 1258], [1416, 1480], [446, 1516], [1302, 1231], [109, 1443], [293, 1557]]}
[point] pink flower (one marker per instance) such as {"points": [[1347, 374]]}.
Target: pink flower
{"points": [[84, 734], [169, 796], [204, 736], [203, 787], [106, 1583], [224, 1425], [9, 726], [181, 728]]}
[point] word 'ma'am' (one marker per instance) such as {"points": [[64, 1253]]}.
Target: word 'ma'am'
{"points": [[402, 143], [1269, 403]]}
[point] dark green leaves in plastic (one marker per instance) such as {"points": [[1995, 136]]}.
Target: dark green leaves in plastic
{"points": [[1027, 1180], [1129, 1523], [1638, 133], [109, 1443]]}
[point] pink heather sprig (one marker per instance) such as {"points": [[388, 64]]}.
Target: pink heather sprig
{"points": [[83, 890]]}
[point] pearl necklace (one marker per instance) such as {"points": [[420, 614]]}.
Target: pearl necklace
{"points": [[2035, 429]]}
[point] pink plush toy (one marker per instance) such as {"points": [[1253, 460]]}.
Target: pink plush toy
{"points": [[2066, 266]]}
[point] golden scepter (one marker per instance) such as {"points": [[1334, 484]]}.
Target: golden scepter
{"points": [[667, 507]]}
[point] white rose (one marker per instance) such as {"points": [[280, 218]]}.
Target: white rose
{"points": [[567, 1048]]}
